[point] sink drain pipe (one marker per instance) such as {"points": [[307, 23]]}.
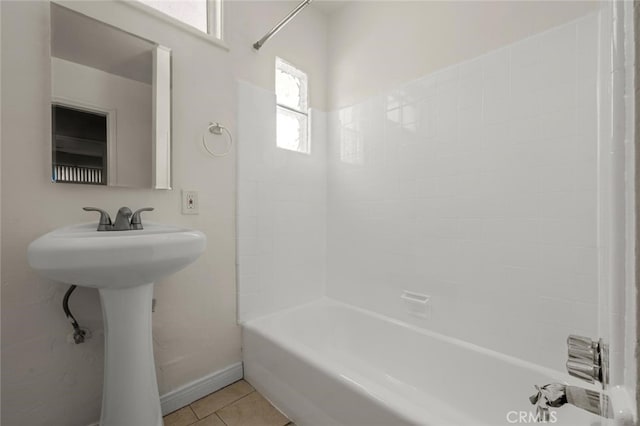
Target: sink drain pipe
{"points": [[78, 333]]}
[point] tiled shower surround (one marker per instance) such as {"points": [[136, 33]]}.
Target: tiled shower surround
{"points": [[474, 185], [281, 210]]}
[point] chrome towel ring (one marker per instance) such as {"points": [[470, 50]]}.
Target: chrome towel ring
{"points": [[217, 129]]}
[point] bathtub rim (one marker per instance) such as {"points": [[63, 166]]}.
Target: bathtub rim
{"points": [[356, 382], [388, 399], [254, 325]]}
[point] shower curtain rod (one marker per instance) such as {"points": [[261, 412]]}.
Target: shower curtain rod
{"points": [[258, 44]]}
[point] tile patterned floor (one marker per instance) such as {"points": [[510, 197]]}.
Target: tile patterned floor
{"points": [[238, 404]]}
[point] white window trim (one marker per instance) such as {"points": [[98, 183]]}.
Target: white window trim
{"points": [[305, 113], [215, 14], [215, 21]]}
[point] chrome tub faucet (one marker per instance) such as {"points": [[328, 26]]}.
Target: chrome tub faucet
{"points": [[556, 395], [587, 360]]}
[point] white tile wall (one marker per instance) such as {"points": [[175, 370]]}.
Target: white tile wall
{"points": [[281, 215], [476, 185]]}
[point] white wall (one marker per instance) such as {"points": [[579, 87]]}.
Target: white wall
{"points": [[281, 194], [476, 185], [302, 42], [376, 46], [131, 101], [281, 210], [45, 379]]}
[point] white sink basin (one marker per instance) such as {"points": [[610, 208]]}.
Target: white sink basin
{"points": [[123, 265], [80, 255]]}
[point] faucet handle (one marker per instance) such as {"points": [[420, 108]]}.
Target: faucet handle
{"points": [[105, 219], [136, 219], [585, 358], [581, 342], [550, 395], [583, 370], [581, 348]]}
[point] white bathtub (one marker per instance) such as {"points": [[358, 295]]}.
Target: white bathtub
{"points": [[327, 363]]}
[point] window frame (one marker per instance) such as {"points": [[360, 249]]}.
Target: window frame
{"points": [[215, 21], [293, 110]]}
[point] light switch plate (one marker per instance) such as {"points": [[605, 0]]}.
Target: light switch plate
{"points": [[190, 204]]}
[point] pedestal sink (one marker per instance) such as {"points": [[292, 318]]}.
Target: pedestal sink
{"points": [[123, 265]]}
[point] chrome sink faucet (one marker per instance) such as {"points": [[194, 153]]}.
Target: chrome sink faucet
{"points": [[122, 219], [122, 223]]}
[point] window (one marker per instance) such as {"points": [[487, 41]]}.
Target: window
{"points": [[292, 110], [204, 15]]}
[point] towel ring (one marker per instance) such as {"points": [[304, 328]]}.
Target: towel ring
{"points": [[216, 129]]}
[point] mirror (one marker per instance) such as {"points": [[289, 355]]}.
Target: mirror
{"points": [[110, 105]]}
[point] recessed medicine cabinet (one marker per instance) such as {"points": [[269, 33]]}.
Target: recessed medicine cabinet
{"points": [[110, 105]]}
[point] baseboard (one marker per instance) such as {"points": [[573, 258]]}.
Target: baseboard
{"points": [[195, 390]]}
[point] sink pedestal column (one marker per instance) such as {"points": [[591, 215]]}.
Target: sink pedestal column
{"points": [[130, 390]]}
